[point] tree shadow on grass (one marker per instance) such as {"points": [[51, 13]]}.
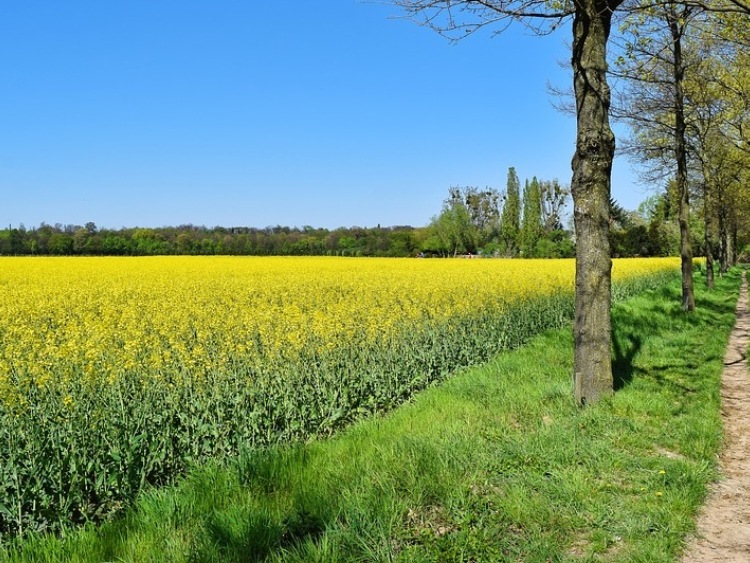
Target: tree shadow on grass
{"points": [[625, 349], [633, 326]]}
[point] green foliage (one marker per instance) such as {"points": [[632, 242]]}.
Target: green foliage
{"points": [[531, 225], [193, 240], [482, 206], [468, 221], [652, 230], [497, 464], [454, 230], [540, 234], [556, 244], [510, 224]]}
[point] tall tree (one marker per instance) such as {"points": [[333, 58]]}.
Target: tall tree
{"points": [[708, 144], [483, 206], [483, 212], [454, 227], [592, 188], [731, 159], [654, 67], [531, 224], [510, 220], [553, 198], [592, 161], [677, 19]]}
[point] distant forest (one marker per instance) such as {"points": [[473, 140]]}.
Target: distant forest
{"points": [[636, 237], [88, 240], [526, 221]]}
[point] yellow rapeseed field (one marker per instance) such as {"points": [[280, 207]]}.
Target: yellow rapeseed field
{"points": [[121, 373], [95, 318]]}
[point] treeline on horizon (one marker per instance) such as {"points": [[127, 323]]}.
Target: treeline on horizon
{"points": [[520, 221], [88, 240], [655, 238]]}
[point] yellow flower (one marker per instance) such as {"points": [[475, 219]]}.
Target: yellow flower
{"points": [[67, 320]]}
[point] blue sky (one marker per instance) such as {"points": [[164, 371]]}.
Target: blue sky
{"points": [[229, 112]]}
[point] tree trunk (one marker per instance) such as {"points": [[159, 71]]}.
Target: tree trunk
{"points": [[686, 251], [591, 186], [708, 224], [723, 236]]}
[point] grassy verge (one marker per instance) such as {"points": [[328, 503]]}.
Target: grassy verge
{"points": [[495, 464]]}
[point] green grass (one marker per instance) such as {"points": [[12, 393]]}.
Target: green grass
{"points": [[495, 464]]}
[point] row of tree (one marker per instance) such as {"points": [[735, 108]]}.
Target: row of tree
{"points": [[531, 224], [655, 38], [685, 93]]}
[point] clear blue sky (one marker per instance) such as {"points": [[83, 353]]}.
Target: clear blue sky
{"points": [[236, 112]]}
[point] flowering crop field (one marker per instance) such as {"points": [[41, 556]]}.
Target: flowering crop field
{"points": [[120, 372]]}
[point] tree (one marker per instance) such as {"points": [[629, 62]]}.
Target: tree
{"points": [[474, 216], [654, 65], [531, 224], [482, 206], [592, 161], [553, 198], [677, 19], [713, 154], [454, 229], [60, 243], [510, 219]]}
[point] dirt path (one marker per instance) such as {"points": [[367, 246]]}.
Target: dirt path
{"points": [[724, 523]]}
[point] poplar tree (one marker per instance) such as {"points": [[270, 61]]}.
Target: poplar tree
{"points": [[510, 219], [531, 225]]}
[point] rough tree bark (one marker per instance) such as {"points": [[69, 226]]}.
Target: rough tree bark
{"points": [[591, 187]]}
